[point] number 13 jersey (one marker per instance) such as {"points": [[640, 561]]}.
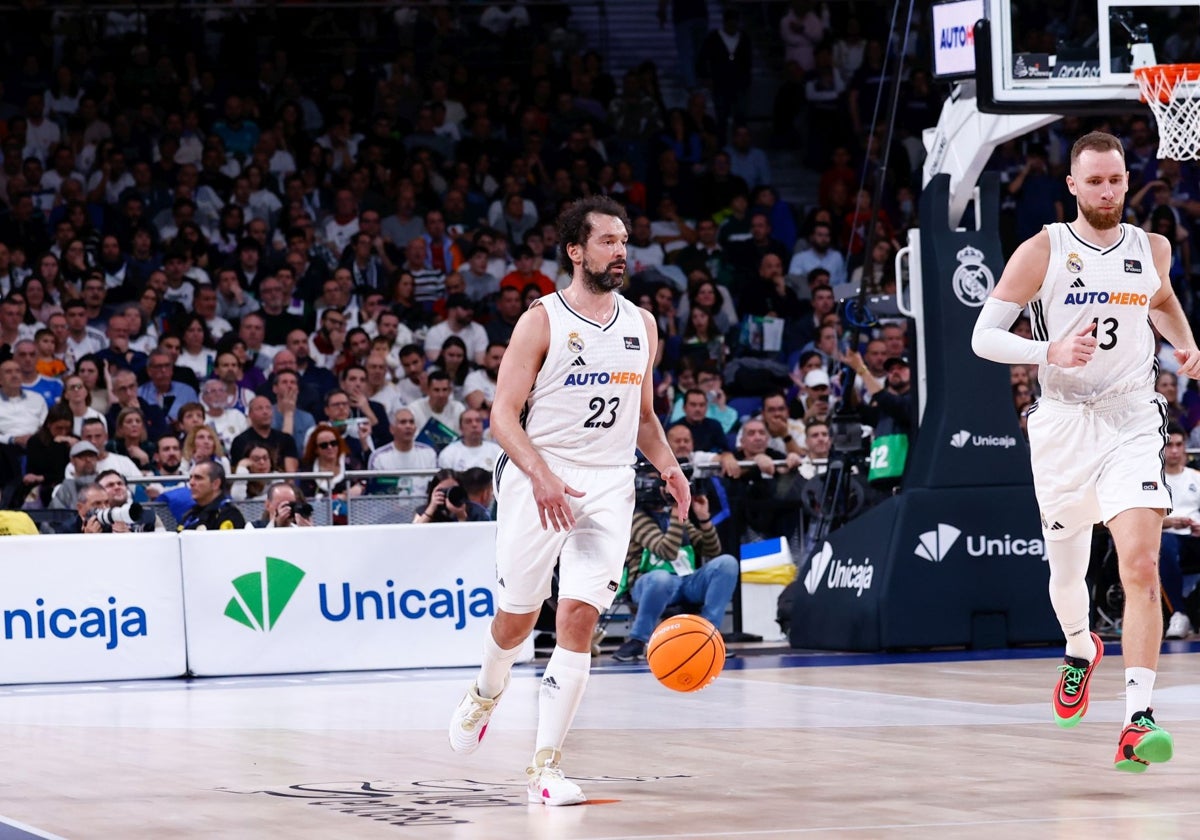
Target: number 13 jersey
{"points": [[585, 406], [1110, 288]]}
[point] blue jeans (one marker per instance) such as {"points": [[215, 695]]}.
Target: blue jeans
{"points": [[711, 585]]}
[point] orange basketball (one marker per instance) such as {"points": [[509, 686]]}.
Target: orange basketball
{"points": [[685, 652]]}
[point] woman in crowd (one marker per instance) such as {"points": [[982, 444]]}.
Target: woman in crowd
{"points": [[202, 445], [129, 438], [48, 453], [259, 458], [91, 372], [453, 360], [38, 306], [197, 354], [327, 452]]}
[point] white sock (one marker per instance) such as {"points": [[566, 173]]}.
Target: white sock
{"points": [[497, 662], [1068, 557], [562, 688], [1139, 685]]}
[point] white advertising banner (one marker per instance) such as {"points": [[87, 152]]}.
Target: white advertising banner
{"points": [[337, 599], [90, 607]]}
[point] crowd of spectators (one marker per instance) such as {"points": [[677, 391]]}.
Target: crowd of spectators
{"points": [[222, 245]]}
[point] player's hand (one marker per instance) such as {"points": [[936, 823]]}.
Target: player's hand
{"points": [[681, 492], [1189, 363], [554, 508], [1077, 350]]}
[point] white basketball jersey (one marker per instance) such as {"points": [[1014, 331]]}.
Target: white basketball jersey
{"points": [[1110, 288], [585, 405]]}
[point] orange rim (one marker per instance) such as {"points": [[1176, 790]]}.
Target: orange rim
{"points": [[1171, 74]]}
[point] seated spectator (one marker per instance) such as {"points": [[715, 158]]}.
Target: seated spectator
{"points": [[113, 484], [131, 439], [480, 384], [403, 453], [262, 413], [453, 361], [25, 353], [670, 562], [78, 400], [162, 391], [82, 462], [524, 274], [197, 354], [202, 446], [21, 412], [1180, 542], [480, 489], [448, 502], [707, 434], [95, 432], [46, 457], [259, 458], [327, 452], [288, 418], [763, 496], [168, 463], [225, 420], [437, 414], [470, 450], [280, 510], [818, 443]]}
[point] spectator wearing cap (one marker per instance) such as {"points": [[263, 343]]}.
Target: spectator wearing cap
{"points": [[459, 322], [524, 274], [84, 457], [814, 396]]}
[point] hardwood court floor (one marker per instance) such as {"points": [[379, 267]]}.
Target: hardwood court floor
{"points": [[904, 747]]}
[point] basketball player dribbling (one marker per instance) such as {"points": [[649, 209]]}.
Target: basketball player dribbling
{"points": [[1097, 435], [574, 400]]}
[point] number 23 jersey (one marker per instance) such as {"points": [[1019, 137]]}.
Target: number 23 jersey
{"points": [[1111, 289], [585, 405]]}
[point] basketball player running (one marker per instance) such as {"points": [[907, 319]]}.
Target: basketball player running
{"points": [[574, 397], [1098, 433]]}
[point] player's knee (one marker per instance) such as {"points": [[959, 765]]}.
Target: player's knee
{"points": [[1139, 570]]}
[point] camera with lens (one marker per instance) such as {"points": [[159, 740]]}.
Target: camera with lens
{"points": [[651, 491], [129, 513], [301, 509], [455, 496]]}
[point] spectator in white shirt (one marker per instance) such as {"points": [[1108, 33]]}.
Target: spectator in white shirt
{"points": [[21, 412], [403, 453], [470, 450], [438, 405]]}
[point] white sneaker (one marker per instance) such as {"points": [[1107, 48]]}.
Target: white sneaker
{"points": [[548, 785], [1180, 626], [470, 721]]}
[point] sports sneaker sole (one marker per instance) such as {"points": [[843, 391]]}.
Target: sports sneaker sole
{"points": [[1069, 722], [537, 798]]}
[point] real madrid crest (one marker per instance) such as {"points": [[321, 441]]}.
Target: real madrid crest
{"points": [[574, 343], [972, 281], [1074, 263]]}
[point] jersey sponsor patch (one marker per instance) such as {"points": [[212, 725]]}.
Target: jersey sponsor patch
{"points": [[1149, 485], [616, 377], [1117, 298], [632, 342], [1133, 266]]}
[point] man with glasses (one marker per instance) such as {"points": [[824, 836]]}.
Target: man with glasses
{"points": [[162, 390], [114, 485], [125, 394]]}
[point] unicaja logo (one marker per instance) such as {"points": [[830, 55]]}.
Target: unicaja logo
{"points": [[260, 597], [935, 545], [959, 439], [817, 567]]}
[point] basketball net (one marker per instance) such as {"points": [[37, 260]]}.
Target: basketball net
{"points": [[1173, 94]]}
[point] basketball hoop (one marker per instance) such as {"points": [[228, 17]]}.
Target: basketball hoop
{"points": [[1173, 93]]}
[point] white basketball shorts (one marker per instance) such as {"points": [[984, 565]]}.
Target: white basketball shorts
{"points": [[592, 553], [1092, 461]]}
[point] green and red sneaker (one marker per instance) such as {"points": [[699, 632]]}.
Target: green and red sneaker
{"points": [[1071, 693], [1143, 743]]}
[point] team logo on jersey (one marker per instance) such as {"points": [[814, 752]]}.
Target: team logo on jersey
{"points": [[1074, 263], [972, 281], [1133, 266], [632, 343], [574, 343]]}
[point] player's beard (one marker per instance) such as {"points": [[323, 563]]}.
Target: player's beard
{"points": [[600, 282], [1101, 219]]}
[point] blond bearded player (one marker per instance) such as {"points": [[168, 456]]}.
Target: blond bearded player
{"points": [[1097, 435], [574, 401]]}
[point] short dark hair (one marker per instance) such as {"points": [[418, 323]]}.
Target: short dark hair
{"points": [[575, 226]]}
